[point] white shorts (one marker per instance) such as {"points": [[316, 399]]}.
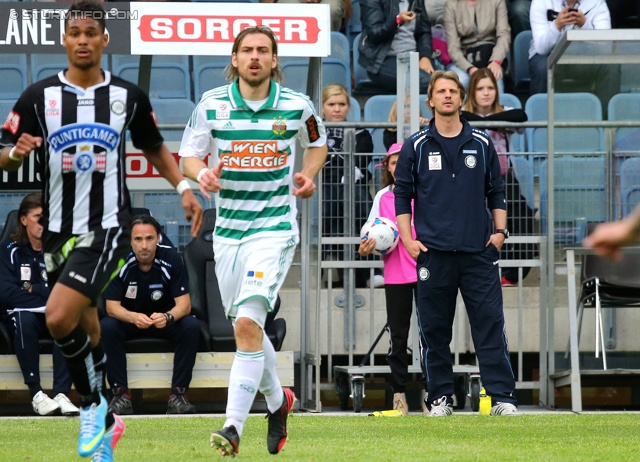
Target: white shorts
{"points": [[256, 268]]}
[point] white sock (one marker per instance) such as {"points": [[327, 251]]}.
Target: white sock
{"points": [[270, 385], [244, 379]]}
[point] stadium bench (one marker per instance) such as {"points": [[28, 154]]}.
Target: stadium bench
{"points": [[151, 370]]}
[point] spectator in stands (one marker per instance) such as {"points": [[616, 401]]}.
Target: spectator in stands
{"points": [[390, 135], [478, 35], [335, 107], [518, 16], [391, 27], [150, 298], [340, 10], [549, 19], [625, 14], [483, 103], [23, 293]]}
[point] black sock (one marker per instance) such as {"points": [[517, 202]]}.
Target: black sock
{"points": [[76, 348], [100, 364], [34, 388]]}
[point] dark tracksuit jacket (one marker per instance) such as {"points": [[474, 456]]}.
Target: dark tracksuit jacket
{"points": [[454, 193], [20, 264]]}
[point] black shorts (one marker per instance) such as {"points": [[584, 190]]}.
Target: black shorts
{"points": [[86, 263]]}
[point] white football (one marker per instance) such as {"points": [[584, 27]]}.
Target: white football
{"points": [[384, 231]]}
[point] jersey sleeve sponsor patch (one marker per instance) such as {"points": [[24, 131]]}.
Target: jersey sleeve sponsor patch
{"points": [[12, 123], [312, 129]]}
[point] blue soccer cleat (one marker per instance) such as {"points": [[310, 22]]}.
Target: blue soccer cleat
{"points": [[92, 422]]}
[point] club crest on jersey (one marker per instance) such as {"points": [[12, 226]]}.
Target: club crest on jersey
{"points": [[255, 155], [279, 126], [156, 295], [470, 161], [118, 107], [84, 161]]}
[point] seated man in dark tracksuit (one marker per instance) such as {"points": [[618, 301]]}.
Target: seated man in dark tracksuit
{"points": [[23, 294], [150, 298]]}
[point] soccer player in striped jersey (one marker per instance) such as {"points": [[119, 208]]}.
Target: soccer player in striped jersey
{"points": [[250, 129], [76, 122]]}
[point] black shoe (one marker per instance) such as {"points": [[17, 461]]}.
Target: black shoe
{"points": [[277, 432], [226, 441], [178, 403], [121, 402]]}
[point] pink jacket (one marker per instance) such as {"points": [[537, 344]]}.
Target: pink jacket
{"points": [[399, 267]]}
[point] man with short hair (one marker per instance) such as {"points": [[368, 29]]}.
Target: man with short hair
{"points": [[150, 299], [250, 127], [452, 173], [76, 122]]}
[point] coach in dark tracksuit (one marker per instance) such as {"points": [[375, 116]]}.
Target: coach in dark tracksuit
{"points": [[453, 174]]}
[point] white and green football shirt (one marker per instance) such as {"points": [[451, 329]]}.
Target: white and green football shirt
{"points": [[258, 152]]}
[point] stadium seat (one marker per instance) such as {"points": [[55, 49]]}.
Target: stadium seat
{"points": [[625, 106], [45, 65], [13, 75], [376, 109], [170, 76], [208, 73], [579, 189], [172, 111], [355, 112], [521, 45], [295, 73], [629, 184], [205, 294], [568, 107], [508, 99]]}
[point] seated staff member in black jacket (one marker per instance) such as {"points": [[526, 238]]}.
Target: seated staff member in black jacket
{"points": [[23, 293], [150, 298]]}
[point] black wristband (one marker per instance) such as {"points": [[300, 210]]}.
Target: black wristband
{"points": [[170, 318]]}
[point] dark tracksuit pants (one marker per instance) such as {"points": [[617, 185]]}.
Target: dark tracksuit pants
{"points": [[29, 328], [399, 299], [440, 274], [184, 334]]}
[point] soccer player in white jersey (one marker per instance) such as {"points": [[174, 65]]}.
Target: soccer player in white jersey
{"points": [[76, 121], [250, 128]]}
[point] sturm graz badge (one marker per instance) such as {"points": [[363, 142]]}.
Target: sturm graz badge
{"points": [[424, 274], [470, 161]]}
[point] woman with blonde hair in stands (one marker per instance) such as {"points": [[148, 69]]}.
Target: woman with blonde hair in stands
{"points": [[336, 104]]}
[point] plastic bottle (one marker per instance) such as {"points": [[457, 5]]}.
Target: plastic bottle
{"points": [[485, 402]]}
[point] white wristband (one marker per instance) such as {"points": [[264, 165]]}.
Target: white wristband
{"points": [[200, 173], [182, 187], [12, 155]]}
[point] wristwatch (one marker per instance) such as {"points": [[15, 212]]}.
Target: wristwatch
{"points": [[504, 232]]}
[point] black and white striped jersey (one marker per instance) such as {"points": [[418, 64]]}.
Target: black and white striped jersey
{"points": [[82, 159]]}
